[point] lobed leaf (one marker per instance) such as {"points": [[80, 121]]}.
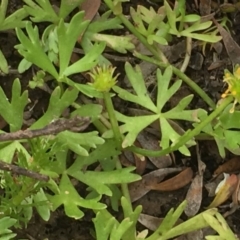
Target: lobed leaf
{"points": [[9, 110], [71, 199]]}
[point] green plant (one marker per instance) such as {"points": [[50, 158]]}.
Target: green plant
{"points": [[8, 23], [46, 149]]}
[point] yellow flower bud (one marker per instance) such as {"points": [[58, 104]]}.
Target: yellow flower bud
{"points": [[102, 77]]}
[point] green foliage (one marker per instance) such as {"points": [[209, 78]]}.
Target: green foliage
{"points": [[8, 23], [71, 156], [160, 26], [5, 232], [133, 125], [9, 110]]}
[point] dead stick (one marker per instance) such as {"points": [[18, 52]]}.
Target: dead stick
{"points": [[22, 171], [75, 124]]}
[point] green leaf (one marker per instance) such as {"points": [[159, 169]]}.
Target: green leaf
{"points": [[5, 223], [136, 79], [133, 126], [102, 24], [3, 10], [42, 204], [169, 134], [178, 112], [158, 39], [197, 26], [14, 20], [41, 12], [136, 16], [24, 65], [57, 104], [69, 33], [219, 224], [100, 180], [87, 46], [171, 17], [120, 44], [191, 18], [67, 7], [77, 141], [193, 224], [89, 110], [104, 222], [31, 49], [118, 231], [203, 37], [230, 120], [8, 236], [171, 218], [106, 150], [4, 64], [9, 111], [7, 151], [164, 92], [86, 89], [149, 15], [87, 62], [71, 200], [132, 216]]}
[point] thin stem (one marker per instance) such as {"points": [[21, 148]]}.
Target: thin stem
{"points": [[157, 53], [187, 54], [113, 120], [181, 75], [187, 136], [117, 136]]}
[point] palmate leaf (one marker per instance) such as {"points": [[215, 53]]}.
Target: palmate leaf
{"points": [[107, 150], [6, 223], [141, 97], [9, 110], [103, 23], [99, 181], [107, 227], [32, 50], [225, 132], [67, 7], [57, 104], [41, 12], [86, 63], [71, 200], [12, 21], [132, 126], [69, 33], [78, 141], [7, 151]]}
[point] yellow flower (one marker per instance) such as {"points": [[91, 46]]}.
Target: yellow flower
{"points": [[102, 77], [233, 81]]}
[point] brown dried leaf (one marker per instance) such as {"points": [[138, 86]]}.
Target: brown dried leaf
{"points": [[177, 182], [91, 8], [212, 186], [149, 141], [205, 7], [151, 222], [194, 196], [231, 46], [225, 192], [125, 161], [140, 161], [230, 166], [140, 188], [236, 193]]}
